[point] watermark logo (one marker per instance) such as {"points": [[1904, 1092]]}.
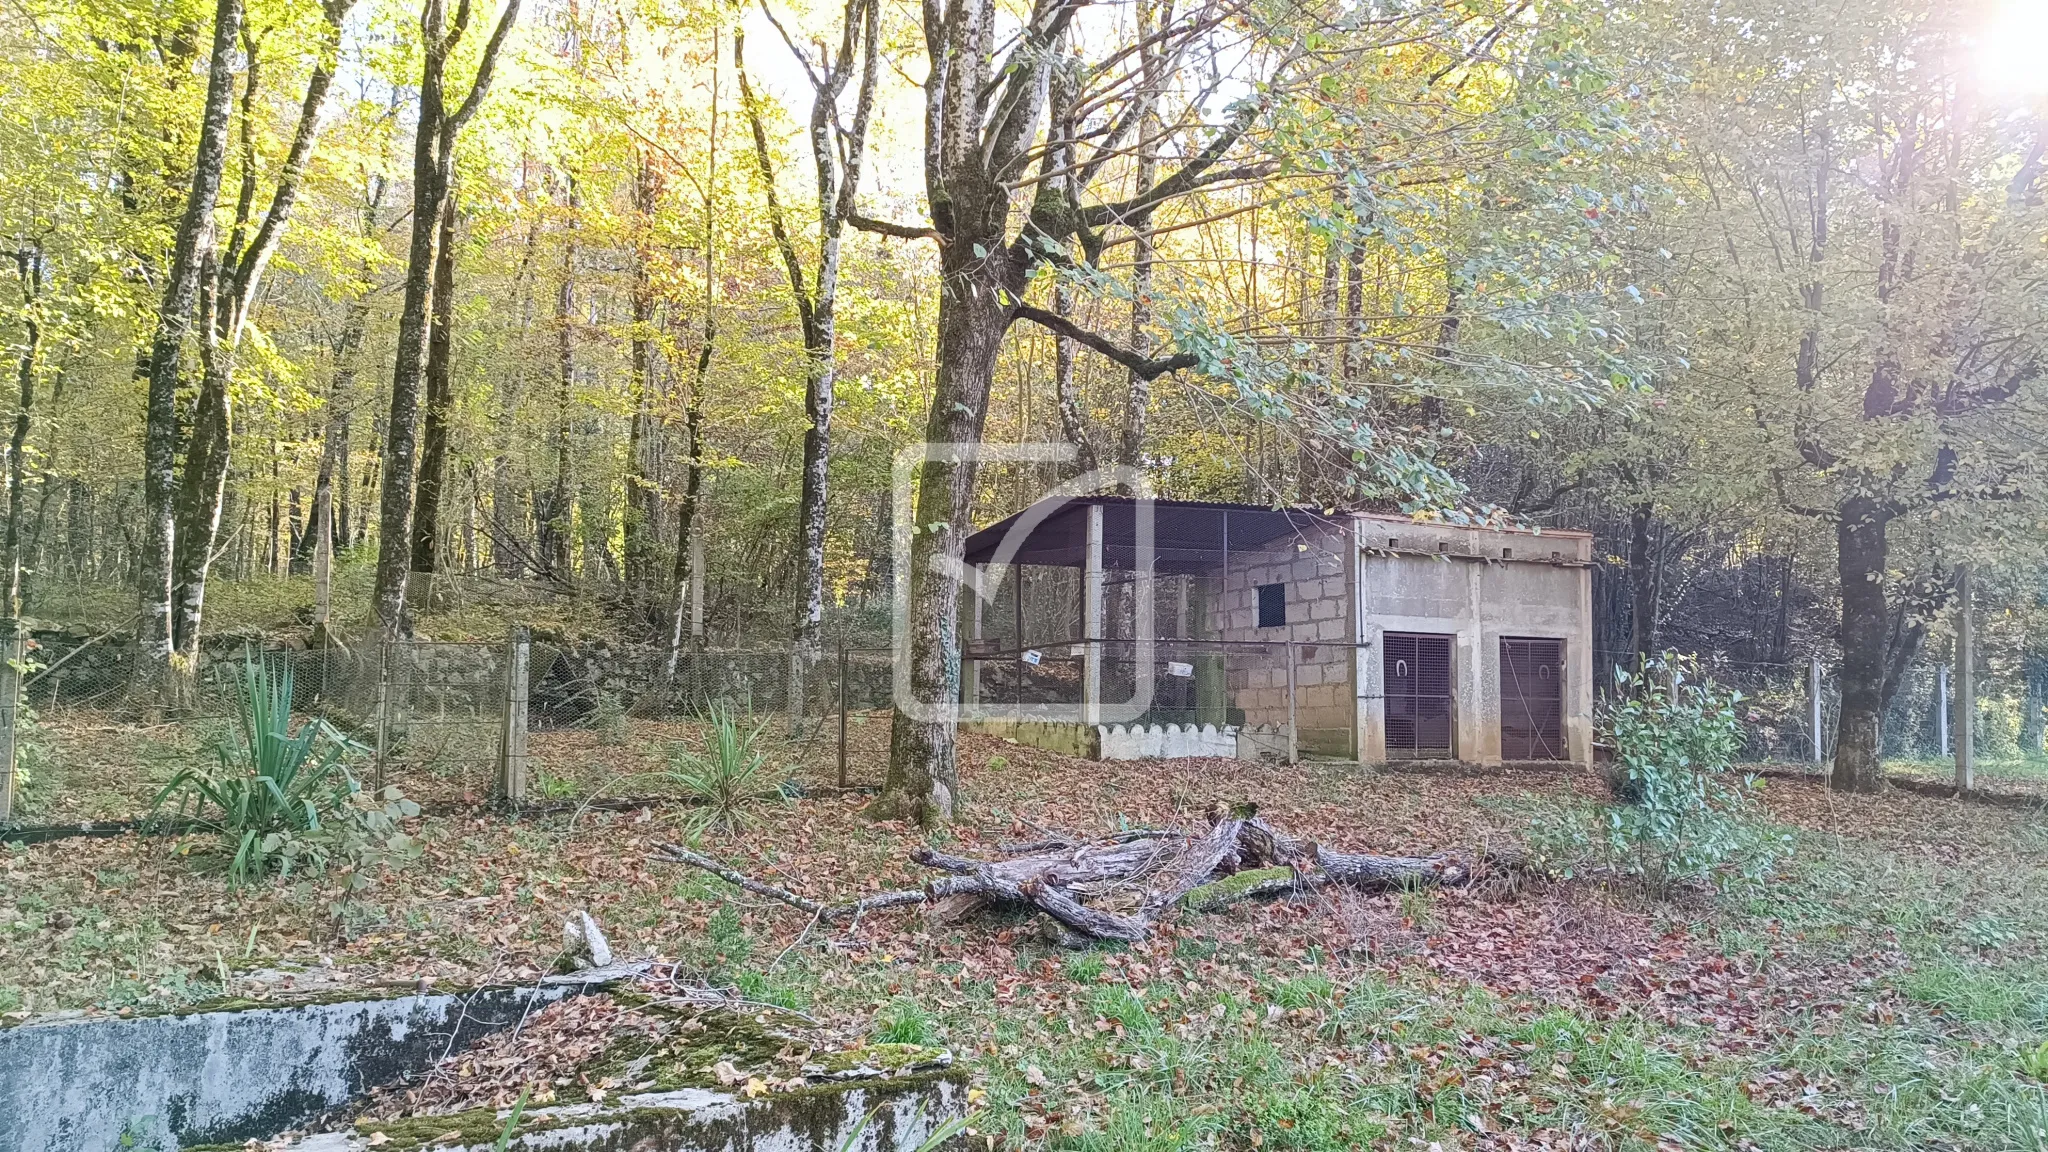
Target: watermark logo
{"points": [[1091, 669]]}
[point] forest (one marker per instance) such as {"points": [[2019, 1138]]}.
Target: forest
{"points": [[635, 302], [414, 404]]}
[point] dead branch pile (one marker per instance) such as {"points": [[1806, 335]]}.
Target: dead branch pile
{"points": [[1116, 887]]}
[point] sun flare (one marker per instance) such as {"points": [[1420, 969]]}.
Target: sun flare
{"points": [[2012, 49]]}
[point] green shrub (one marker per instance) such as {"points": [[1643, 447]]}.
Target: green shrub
{"points": [[282, 800], [729, 777], [1998, 728], [1679, 820]]}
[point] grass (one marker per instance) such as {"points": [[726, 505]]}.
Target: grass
{"points": [[1881, 991]]}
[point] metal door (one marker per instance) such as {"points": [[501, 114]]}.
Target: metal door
{"points": [[1416, 669], [1532, 699]]}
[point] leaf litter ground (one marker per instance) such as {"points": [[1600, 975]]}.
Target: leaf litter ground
{"points": [[1878, 992]]}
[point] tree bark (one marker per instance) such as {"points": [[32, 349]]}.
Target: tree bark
{"points": [[558, 516], [688, 600], [440, 386], [1860, 563], [1644, 577], [687, 620], [1138, 387], [151, 678], [200, 501], [643, 510], [433, 168], [28, 264], [836, 156], [923, 783]]}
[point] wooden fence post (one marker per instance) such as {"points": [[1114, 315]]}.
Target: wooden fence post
{"points": [[512, 746], [10, 701]]}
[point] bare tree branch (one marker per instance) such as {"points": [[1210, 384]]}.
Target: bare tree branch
{"points": [[1149, 369]]}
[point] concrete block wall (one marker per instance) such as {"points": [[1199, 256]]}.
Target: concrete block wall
{"points": [[1318, 568], [1479, 587]]}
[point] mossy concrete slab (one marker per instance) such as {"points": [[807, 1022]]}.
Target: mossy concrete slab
{"points": [[231, 1073], [889, 1115]]}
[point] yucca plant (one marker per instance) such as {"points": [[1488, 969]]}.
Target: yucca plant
{"points": [[729, 776], [272, 784]]}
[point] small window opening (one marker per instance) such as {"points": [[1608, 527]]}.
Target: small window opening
{"points": [[1393, 542], [1507, 553], [1272, 605]]}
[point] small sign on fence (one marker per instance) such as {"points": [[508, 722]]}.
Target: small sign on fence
{"points": [[1177, 668], [1032, 656]]}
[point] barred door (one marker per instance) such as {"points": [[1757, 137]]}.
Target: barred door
{"points": [[1416, 669], [1532, 699]]}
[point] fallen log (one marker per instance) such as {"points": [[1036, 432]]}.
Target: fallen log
{"points": [[1118, 886]]}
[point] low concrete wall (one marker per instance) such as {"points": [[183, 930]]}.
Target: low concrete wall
{"points": [[1065, 738], [162, 1082], [1262, 742], [1142, 742]]}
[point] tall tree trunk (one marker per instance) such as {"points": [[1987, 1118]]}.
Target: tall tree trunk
{"points": [[28, 264], [334, 447], [157, 560], [1645, 575], [837, 155], [33, 572], [202, 490], [557, 524], [819, 379], [274, 548], [688, 600], [1058, 165], [1861, 554], [1065, 394], [1138, 387], [923, 784], [642, 507], [433, 169], [394, 517], [1781, 620], [688, 617], [2035, 669], [426, 516]]}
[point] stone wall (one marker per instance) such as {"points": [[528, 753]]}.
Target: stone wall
{"points": [[1317, 570]]}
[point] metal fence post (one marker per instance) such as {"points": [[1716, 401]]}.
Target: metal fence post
{"points": [[383, 719], [1293, 721], [512, 746], [1941, 707], [10, 700], [842, 713], [1813, 706], [1966, 686]]}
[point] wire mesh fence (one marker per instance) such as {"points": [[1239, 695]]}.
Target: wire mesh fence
{"points": [[1778, 710], [435, 718]]}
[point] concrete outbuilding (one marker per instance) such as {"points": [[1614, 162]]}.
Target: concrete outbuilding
{"points": [[1128, 628]]}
